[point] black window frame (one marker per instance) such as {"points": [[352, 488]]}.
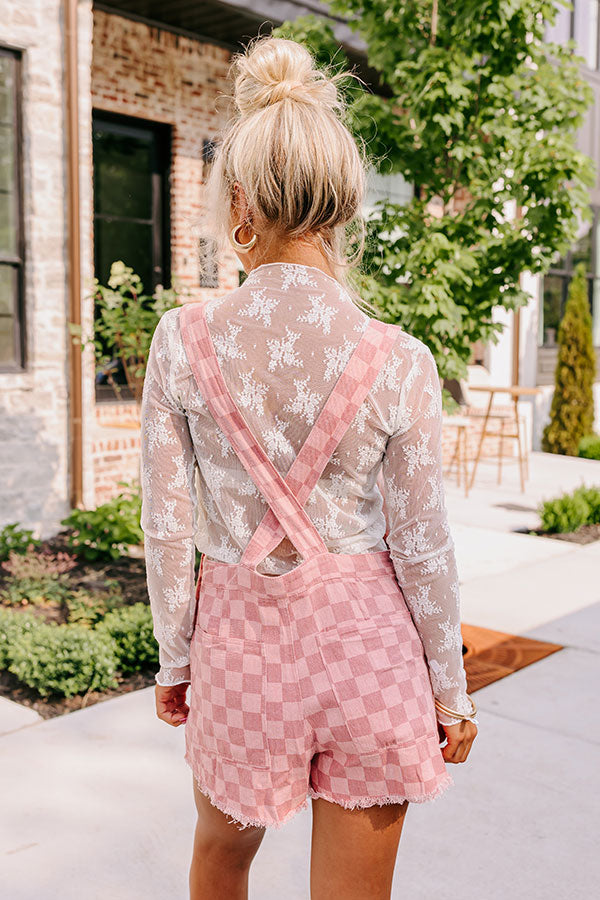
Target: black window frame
{"points": [[161, 193], [17, 262], [565, 272]]}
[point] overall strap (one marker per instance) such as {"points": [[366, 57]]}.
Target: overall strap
{"points": [[332, 423], [203, 360]]}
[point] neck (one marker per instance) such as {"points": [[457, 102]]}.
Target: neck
{"points": [[296, 252]]}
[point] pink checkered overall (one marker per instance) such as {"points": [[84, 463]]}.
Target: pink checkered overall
{"points": [[312, 683]]}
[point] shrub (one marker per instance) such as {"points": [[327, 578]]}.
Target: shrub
{"points": [[572, 410], [591, 496], [570, 511], [12, 624], [564, 514], [107, 531], [36, 578], [89, 608], [17, 539], [589, 446], [124, 324], [131, 629], [63, 659]]}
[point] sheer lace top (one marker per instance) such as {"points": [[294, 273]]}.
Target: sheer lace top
{"points": [[282, 339]]}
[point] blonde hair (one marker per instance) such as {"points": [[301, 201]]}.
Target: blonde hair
{"points": [[301, 169]]}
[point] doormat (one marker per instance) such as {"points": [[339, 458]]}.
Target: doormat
{"points": [[492, 655]]}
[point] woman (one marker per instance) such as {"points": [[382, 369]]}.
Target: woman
{"points": [[322, 646]]}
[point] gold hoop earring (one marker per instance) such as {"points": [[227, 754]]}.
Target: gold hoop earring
{"points": [[237, 244]]}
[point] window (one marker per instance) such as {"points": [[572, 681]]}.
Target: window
{"points": [[131, 165], [12, 350], [208, 262], [392, 188], [556, 283], [585, 21]]}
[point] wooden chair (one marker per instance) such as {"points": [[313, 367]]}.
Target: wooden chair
{"points": [[476, 397], [460, 456]]}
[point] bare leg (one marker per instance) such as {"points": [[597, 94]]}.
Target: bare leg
{"points": [[222, 854], [353, 851]]}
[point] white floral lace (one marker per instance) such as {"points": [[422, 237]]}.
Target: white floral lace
{"points": [[282, 339]]}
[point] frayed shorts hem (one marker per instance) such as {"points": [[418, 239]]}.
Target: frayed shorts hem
{"points": [[241, 821], [366, 802]]}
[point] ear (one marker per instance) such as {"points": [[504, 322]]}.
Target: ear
{"points": [[239, 204]]}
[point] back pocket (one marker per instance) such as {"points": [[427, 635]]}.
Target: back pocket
{"points": [[378, 675], [229, 689]]}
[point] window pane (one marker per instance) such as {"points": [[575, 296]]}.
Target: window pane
{"points": [[8, 229], [7, 322], [7, 77], [582, 252], [123, 166], [586, 31], [208, 262], [553, 293], [130, 242]]}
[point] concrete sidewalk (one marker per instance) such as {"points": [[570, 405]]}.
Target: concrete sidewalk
{"points": [[98, 804]]}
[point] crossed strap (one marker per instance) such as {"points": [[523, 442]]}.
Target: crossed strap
{"points": [[286, 498]]}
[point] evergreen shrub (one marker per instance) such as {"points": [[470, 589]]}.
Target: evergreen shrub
{"points": [[572, 410]]}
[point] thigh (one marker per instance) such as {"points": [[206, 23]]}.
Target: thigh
{"points": [[353, 851], [215, 828]]}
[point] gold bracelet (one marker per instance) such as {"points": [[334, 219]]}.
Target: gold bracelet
{"points": [[452, 712]]}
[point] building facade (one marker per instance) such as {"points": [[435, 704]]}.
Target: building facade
{"points": [[535, 328], [107, 112]]}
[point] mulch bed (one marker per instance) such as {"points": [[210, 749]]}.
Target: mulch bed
{"points": [[585, 534], [49, 707], [130, 574]]}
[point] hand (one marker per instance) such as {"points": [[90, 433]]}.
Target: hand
{"points": [[170, 703], [460, 738]]}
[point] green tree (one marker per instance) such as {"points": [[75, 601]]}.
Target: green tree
{"points": [[572, 411], [479, 114]]}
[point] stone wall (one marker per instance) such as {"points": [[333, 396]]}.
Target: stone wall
{"points": [[34, 441]]}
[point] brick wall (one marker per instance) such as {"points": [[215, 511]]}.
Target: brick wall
{"points": [[152, 74]]}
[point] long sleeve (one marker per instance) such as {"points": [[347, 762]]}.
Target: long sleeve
{"points": [[418, 536], [168, 510]]}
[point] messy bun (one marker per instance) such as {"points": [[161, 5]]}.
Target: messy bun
{"points": [[276, 70], [302, 171]]}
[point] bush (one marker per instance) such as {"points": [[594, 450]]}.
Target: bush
{"points": [[89, 608], [16, 539], [124, 324], [12, 625], [36, 578], [591, 496], [131, 629], [107, 531], [572, 410], [570, 511], [589, 446], [63, 659]]}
